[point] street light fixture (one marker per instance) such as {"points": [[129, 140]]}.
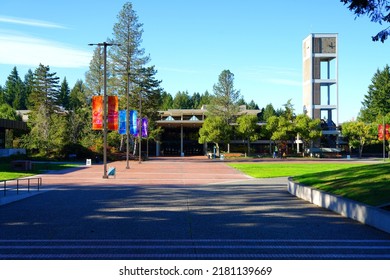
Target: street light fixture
{"points": [[105, 45]]}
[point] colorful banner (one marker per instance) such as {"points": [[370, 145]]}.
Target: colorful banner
{"points": [[133, 123], [144, 128], [122, 122], [112, 115], [386, 131], [97, 112]]}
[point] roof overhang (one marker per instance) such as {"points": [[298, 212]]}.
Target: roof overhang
{"points": [[180, 123], [10, 124]]}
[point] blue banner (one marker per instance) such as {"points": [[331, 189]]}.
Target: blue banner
{"points": [[122, 122], [133, 122]]}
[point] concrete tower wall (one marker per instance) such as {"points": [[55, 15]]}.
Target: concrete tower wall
{"points": [[320, 77]]}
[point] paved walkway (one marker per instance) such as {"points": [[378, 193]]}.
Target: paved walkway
{"points": [[177, 209]]}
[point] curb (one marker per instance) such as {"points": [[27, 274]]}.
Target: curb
{"points": [[357, 211]]}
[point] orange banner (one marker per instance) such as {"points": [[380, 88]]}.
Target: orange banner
{"points": [[386, 132], [113, 113], [97, 112]]}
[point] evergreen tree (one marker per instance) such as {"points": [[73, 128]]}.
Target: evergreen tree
{"points": [[78, 96], [195, 101], [126, 56], [253, 106], [182, 100], [205, 98], [225, 101], [94, 77], [166, 101], [63, 99], [79, 115], [269, 111], [377, 100], [149, 89], [2, 97], [14, 90], [46, 124], [45, 91], [241, 101], [28, 86]]}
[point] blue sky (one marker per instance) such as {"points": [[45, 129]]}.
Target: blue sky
{"points": [[191, 42]]}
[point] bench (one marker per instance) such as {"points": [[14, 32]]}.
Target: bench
{"points": [[232, 155], [111, 172]]}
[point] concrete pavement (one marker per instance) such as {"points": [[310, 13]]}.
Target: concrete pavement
{"points": [[178, 209]]}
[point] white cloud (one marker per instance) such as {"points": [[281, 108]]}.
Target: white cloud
{"points": [[30, 22], [275, 75], [16, 49]]}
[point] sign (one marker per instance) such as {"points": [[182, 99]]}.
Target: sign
{"points": [[97, 112], [385, 131]]}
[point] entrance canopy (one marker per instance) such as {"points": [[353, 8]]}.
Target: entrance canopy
{"points": [[182, 118]]}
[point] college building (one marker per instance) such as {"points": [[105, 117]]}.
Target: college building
{"points": [[181, 131]]}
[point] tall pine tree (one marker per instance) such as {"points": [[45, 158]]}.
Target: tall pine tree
{"points": [[14, 90], [45, 91], [46, 124], [126, 56], [377, 100], [63, 97], [225, 101], [94, 77]]}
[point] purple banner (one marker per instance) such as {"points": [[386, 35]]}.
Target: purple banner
{"points": [[144, 127]]}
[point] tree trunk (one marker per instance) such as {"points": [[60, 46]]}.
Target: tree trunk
{"points": [[249, 147]]}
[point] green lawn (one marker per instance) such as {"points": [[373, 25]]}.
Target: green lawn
{"points": [[272, 170], [367, 183], [6, 172]]}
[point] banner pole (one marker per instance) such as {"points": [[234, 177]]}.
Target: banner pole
{"points": [[384, 139]]}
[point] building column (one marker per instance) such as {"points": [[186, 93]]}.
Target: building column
{"points": [[2, 138], [181, 141], [158, 145]]}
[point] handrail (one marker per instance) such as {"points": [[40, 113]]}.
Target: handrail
{"points": [[39, 184]]}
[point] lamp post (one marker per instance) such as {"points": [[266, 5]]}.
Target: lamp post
{"points": [[127, 119], [140, 128], [104, 44]]}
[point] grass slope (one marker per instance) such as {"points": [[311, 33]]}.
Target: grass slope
{"points": [[367, 183], [6, 172]]}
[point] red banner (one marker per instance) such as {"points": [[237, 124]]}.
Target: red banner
{"points": [[113, 113], [386, 131], [97, 112]]}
